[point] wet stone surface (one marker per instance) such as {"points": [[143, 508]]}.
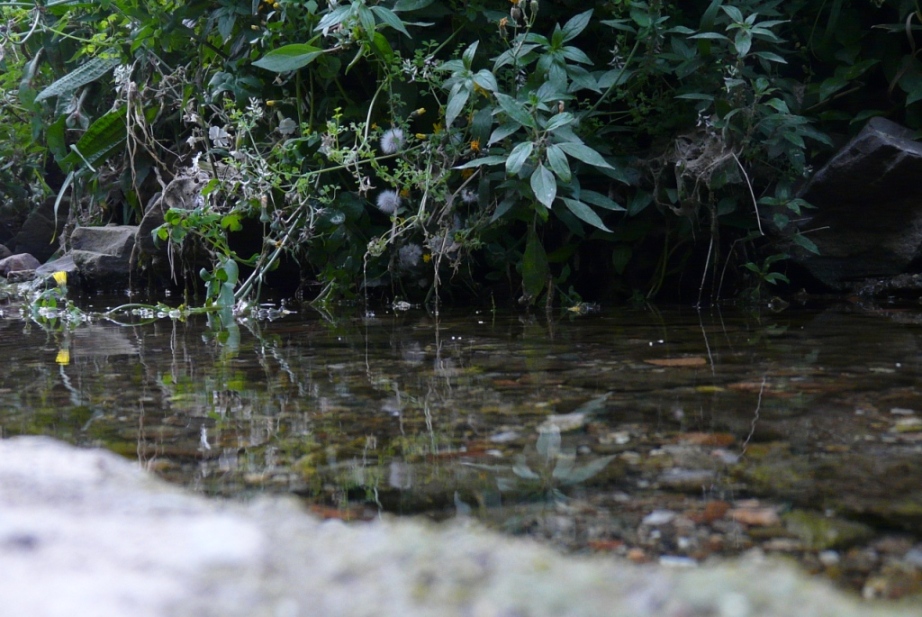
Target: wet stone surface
{"points": [[664, 437]]}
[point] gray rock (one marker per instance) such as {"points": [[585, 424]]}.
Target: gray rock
{"points": [[63, 264], [39, 231], [868, 206], [18, 263], [102, 255], [88, 533], [183, 192]]}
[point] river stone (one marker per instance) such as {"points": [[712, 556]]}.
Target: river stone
{"points": [[102, 254], [868, 218], [18, 263], [84, 532]]}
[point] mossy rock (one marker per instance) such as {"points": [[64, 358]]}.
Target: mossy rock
{"points": [[820, 532]]}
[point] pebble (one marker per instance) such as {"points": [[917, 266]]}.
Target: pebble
{"points": [[754, 516], [659, 517]]}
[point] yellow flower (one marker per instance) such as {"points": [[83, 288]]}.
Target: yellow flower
{"points": [[60, 277], [427, 257], [63, 357], [475, 145], [270, 103], [437, 128], [467, 173], [420, 111], [420, 136]]}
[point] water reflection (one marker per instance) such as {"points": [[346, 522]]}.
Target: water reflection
{"points": [[576, 429]]}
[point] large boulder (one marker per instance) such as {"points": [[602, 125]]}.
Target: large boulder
{"points": [[40, 231], [868, 199], [88, 533], [102, 255]]}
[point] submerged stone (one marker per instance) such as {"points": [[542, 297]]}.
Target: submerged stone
{"points": [[821, 532]]}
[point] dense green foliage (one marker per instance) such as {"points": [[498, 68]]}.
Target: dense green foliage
{"points": [[414, 148]]}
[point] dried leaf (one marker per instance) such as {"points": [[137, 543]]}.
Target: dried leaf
{"points": [[678, 362]]}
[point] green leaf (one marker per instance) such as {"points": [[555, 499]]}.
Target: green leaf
{"points": [[742, 42], [534, 265], [231, 222], [486, 80], [574, 54], [575, 25], [288, 58], [457, 99], [411, 5], [614, 77], [771, 57], [619, 24], [86, 73], [806, 243], [733, 13], [366, 18], [389, 18], [641, 17], [585, 213], [510, 56], [695, 96], [544, 185], [559, 120], [709, 35], [599, 200], [557, 160], [585, 154], [468, 56], [99, 141], [334, 17], [518, 156], [487, 160], [515, 110], [503, 131]]}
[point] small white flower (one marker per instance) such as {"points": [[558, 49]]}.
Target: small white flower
{"points": [[219, 137], [388, 201], [392, 140], [287, 126], [468, 196]]}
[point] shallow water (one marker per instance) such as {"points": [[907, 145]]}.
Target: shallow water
{"points": [[668, 434]]}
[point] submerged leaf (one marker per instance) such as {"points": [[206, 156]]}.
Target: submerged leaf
{"points": [[584, 472]]}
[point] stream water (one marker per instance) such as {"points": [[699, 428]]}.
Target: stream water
{"points": [[659, 434]]}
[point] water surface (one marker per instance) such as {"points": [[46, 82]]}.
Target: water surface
{"points": [[659, 434]]}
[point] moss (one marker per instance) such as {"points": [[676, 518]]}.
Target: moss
{"points": [[820, 532]]}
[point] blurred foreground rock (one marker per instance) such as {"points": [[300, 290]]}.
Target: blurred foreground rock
{"points": [[88, 533]]}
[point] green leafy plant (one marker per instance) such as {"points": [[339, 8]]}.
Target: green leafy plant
{"points": [[405, 149]]}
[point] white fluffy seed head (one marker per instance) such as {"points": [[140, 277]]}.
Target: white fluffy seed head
{"points": [[392, 140], [388, 201]]}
